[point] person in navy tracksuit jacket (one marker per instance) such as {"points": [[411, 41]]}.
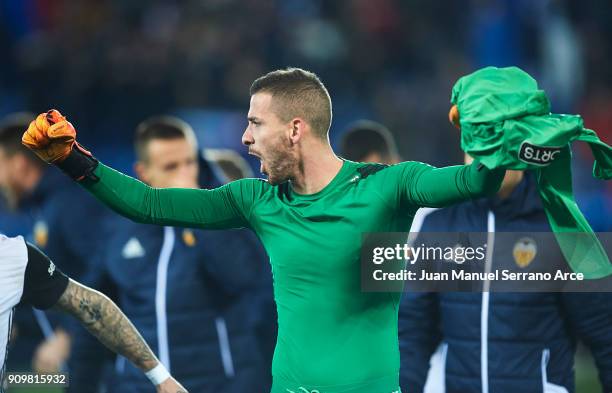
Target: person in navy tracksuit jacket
{"points": [[40, 197], [501, 342], [12, 222], [196, 296]]}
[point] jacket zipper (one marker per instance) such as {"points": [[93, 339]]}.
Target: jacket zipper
{"points": [[484, 313], [161, 295]]}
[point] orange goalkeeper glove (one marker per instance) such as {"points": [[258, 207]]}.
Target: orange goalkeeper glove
{"points": [[50, 136], [53, 139], [453, 116]]}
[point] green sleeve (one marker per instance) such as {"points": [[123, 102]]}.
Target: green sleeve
{"points": [[225, 207], [426, 186]]}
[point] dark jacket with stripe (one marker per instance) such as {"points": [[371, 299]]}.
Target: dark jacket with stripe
{"points": [[200, 299], [501, 341]]}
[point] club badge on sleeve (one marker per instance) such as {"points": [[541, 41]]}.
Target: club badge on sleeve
{"points": [[41, 234], [189, 238]]}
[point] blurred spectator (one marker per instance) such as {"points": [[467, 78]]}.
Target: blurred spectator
{"points": [[469, 342], [233, 165], [196, 296], [112, 62], [398, 59], [13, 223], [368, 141], [48, 199]]}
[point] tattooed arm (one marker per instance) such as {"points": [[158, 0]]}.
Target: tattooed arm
{"points": [[102, 318], [46, 286]]}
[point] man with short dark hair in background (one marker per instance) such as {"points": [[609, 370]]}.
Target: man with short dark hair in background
{"points": [[18, 175], [233, 165], [12, 221], [196, 296], [368, 141], [41, 195]]}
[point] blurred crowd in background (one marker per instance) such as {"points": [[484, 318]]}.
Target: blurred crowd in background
{"points": [[109, 64]]}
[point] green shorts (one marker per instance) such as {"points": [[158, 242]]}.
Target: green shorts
{"points": [[386, 384]]}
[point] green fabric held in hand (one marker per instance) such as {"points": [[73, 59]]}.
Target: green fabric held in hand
{"points": [[506, 123]]}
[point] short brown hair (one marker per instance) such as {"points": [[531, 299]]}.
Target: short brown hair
{"points": [[298, 93], [365, 137], [160, 127], [12, 128]]}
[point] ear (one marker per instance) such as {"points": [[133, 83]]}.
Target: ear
{"points": [[141, 171], [298, 127]]}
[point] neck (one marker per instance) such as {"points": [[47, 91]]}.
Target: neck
{"points": [[511, 180], [317, 168]]}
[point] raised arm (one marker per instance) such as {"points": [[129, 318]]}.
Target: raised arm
{"points": [[53, 139], [225, 207], [427, 186]]}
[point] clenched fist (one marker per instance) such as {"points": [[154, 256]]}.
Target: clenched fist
{"points": [[50, 136], [53, 139]]}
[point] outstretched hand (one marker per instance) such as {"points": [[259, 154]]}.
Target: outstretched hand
{"points": [[50, 136]]}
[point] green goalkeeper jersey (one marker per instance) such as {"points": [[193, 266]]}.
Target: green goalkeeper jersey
{"points": [[332, 337]]}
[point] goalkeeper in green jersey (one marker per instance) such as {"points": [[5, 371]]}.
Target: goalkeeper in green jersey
{"points": [[309, 214]]}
